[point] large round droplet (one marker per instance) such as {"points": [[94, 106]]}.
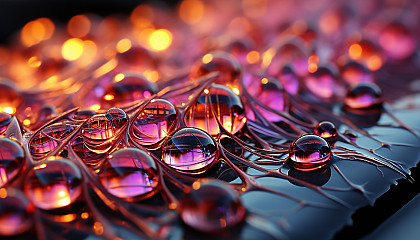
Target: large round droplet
{"points": [[227, 107], [15, 212], [53, 183], [228, 67], [326, 130], [154, 122], [398, 41], [212, 206], [190, 150], [354, 73], [129, 173], [98, 127], [290, 53], [117, 117], [125, 89], [5, 119], [47, 139], [323, 84], [363, 96], [12, 157], [309, 152]]}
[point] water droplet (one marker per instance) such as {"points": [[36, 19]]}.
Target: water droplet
{"points": [[117, 117], [98, 127], [324, 84], [227, 106], [5, 119], [363, 96], [326, 130], [130, 88], [46, 140], [154, 122], [212, 206], [290, 53], [88, 156], [367, 53], [53, 183], [12, 157], [309, 152], [10, 97], [15, 212], [397, 41], [354, 73], [228, 67], [190, 150], [129, 173]]}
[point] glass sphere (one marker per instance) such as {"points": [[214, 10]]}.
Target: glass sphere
{"points": [[228, 67], [125, 89], [15, 212], [309, 152], [212, 206], [46, 140], [364, 95], [354, 73], [154, 122], [290, 53], [5, 119], [129, 173], [227, 106], [53, 183], [323, 84], [190, 150], [326, 130], [12, 158], [117, 117]]}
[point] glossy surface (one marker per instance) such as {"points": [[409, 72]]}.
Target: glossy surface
{"points": [[326, 130], [12, 158], [15, 212], [364, 95]]}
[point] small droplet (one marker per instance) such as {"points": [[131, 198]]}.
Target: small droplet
{"points": [[15, 212], [129, 173], [154, 122], [46, 140], [228, 67], [117, 117], [212, 206], [227, 107], [309, 152], [326, 130], [363, 96], [5, 119], [53, 183], [12, 158], [190, 150]]}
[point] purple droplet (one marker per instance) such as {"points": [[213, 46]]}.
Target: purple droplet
{"points": [[12, 158], [326, 130], [364, 95], [15, 212]]}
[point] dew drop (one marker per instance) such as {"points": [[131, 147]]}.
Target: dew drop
{"points": [[12, 157], [117, 117], [324, 84], [354, 73], [53, 183], [15, 212], [363, 96], [190, 150], [290, 53], [5, 119], [154, 122], [129, 173], [212, 206], [228, 67], [227, 107], [309, 152], [326, 130]]}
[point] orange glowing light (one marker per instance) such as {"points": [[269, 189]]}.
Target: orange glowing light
{"points": [[206, 91], [151, 75], [3, 193], [65, 201], [267, 57], [299, 27], [313, 59], [254, 8], [34, 62], [9, 110], [172, 206], [329, 22], [84, 215], [191, 11], [109, 97], [61, 194], [26, 122], [95, 107], [160, 39], [72, 49], [36, 31], [207, 58], [49, 27], [142, 16], [98, 228], [374, 62], [4, 56], [312, 67], [236, 91], [106, 68], [123, 45], [119, 77], [89, 52], [79, 26], [196, 185], [355, 51], [244, 120], [252, 57], [264, 81]]}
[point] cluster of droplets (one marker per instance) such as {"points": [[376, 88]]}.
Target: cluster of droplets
{"points": [[149, 115]]}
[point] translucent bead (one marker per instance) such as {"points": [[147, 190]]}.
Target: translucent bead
{"points": [[228, 67], [154, 122], [190, 150], [5, 119], [367, 53], [309, 152], [129, 173], [324, 84], [364, 95], [53, 183], [354, 73], [227, 106], [125, 89], [117, 117], [12, 158], [290, 53], [15, 212], [212, 206], [85, 153], [46, 140], [326, 130]]}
